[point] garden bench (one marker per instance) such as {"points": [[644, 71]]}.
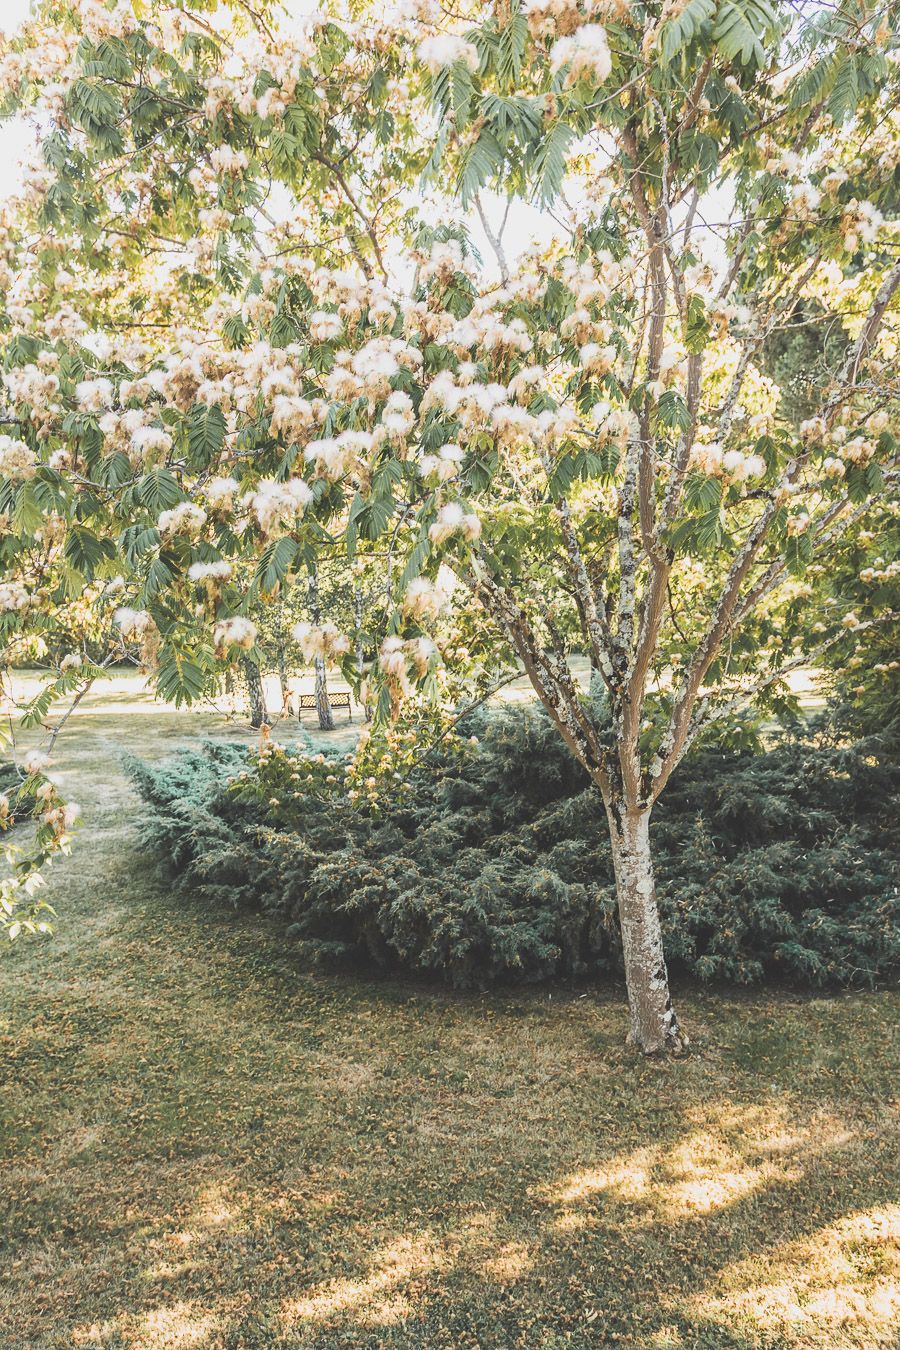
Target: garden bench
{"points": [[339, 699]]}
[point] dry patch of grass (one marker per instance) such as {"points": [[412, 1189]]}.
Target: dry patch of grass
{"points": [[205, 1146]]}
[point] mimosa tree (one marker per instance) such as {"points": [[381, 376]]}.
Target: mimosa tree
{"points": [[229, 335]]}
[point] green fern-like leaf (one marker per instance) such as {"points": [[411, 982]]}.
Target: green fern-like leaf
{"points": [[511, 48], [679, 32], [482, 159], [844, 94], [206, 432], [274, 564], [741, 26], [812, 84], [550, 160]]}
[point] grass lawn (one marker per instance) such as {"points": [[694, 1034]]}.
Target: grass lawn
{"points": [[206, 1146]]}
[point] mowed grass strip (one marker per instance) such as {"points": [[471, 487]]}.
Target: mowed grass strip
{"points": [[206, 1146]]}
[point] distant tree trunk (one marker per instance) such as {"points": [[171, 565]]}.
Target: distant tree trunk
{"points": [[323, 706], [654, 1026], [257, 698], [360, 656], [282, 663]]}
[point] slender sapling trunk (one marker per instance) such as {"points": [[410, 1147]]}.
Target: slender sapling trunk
{"points": [[654, 1026]]}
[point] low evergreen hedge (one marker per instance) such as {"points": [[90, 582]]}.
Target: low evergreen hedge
{"points": [[496, 867]]}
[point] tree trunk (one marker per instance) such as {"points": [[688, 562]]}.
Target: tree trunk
{"points": [[258, 714], [323, 704], [654, 1026], [358, 645], [280, 652], [282, 678]]}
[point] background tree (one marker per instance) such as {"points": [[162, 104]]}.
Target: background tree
{"points": [[729, 168], [256, 694]]}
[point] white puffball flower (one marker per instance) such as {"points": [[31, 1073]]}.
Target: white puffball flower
{"points": [[453, 519], [214, 571], [445, 49], [185, 518], [18, 462], [219, 493], [585, 52], [324, 641], [132, 623], [236, 631]]}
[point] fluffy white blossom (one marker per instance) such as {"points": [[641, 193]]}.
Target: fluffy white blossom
{"points": [[813, 429], [392, 657], [17, 461], [707, 458], [14, 597], [325, 327], [133, 623], [214, 571], [398, 416], [219, 493], [443, 464], [186, 518], [453, 519], [334, 456], [324, 641], [427, 598], [445, 49], [525, 381], [92, 395], [733, 465], [585, 52], [291, 416], [597, 358], [225, 159], [274, 503], [35, 762], [513, 425], [150, 442], [798, 523], [234, 632], [739, 466], [613, 424]]}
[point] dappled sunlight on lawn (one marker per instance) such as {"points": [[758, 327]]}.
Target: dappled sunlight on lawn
{"points": [[180, 1325], [383, 1296], [842, 1279], [176, 1326], [729, 1210], [747, 1149], [627, 1179], [405, 1271]]}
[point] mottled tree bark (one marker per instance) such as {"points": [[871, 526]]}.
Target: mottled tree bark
{"points": [[323, 705], [256, 694], [358, 644], [654, 1026], [281, 656]]}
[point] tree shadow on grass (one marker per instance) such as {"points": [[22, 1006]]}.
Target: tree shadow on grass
{"points": [[613, 1280], [372, 1171]]}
